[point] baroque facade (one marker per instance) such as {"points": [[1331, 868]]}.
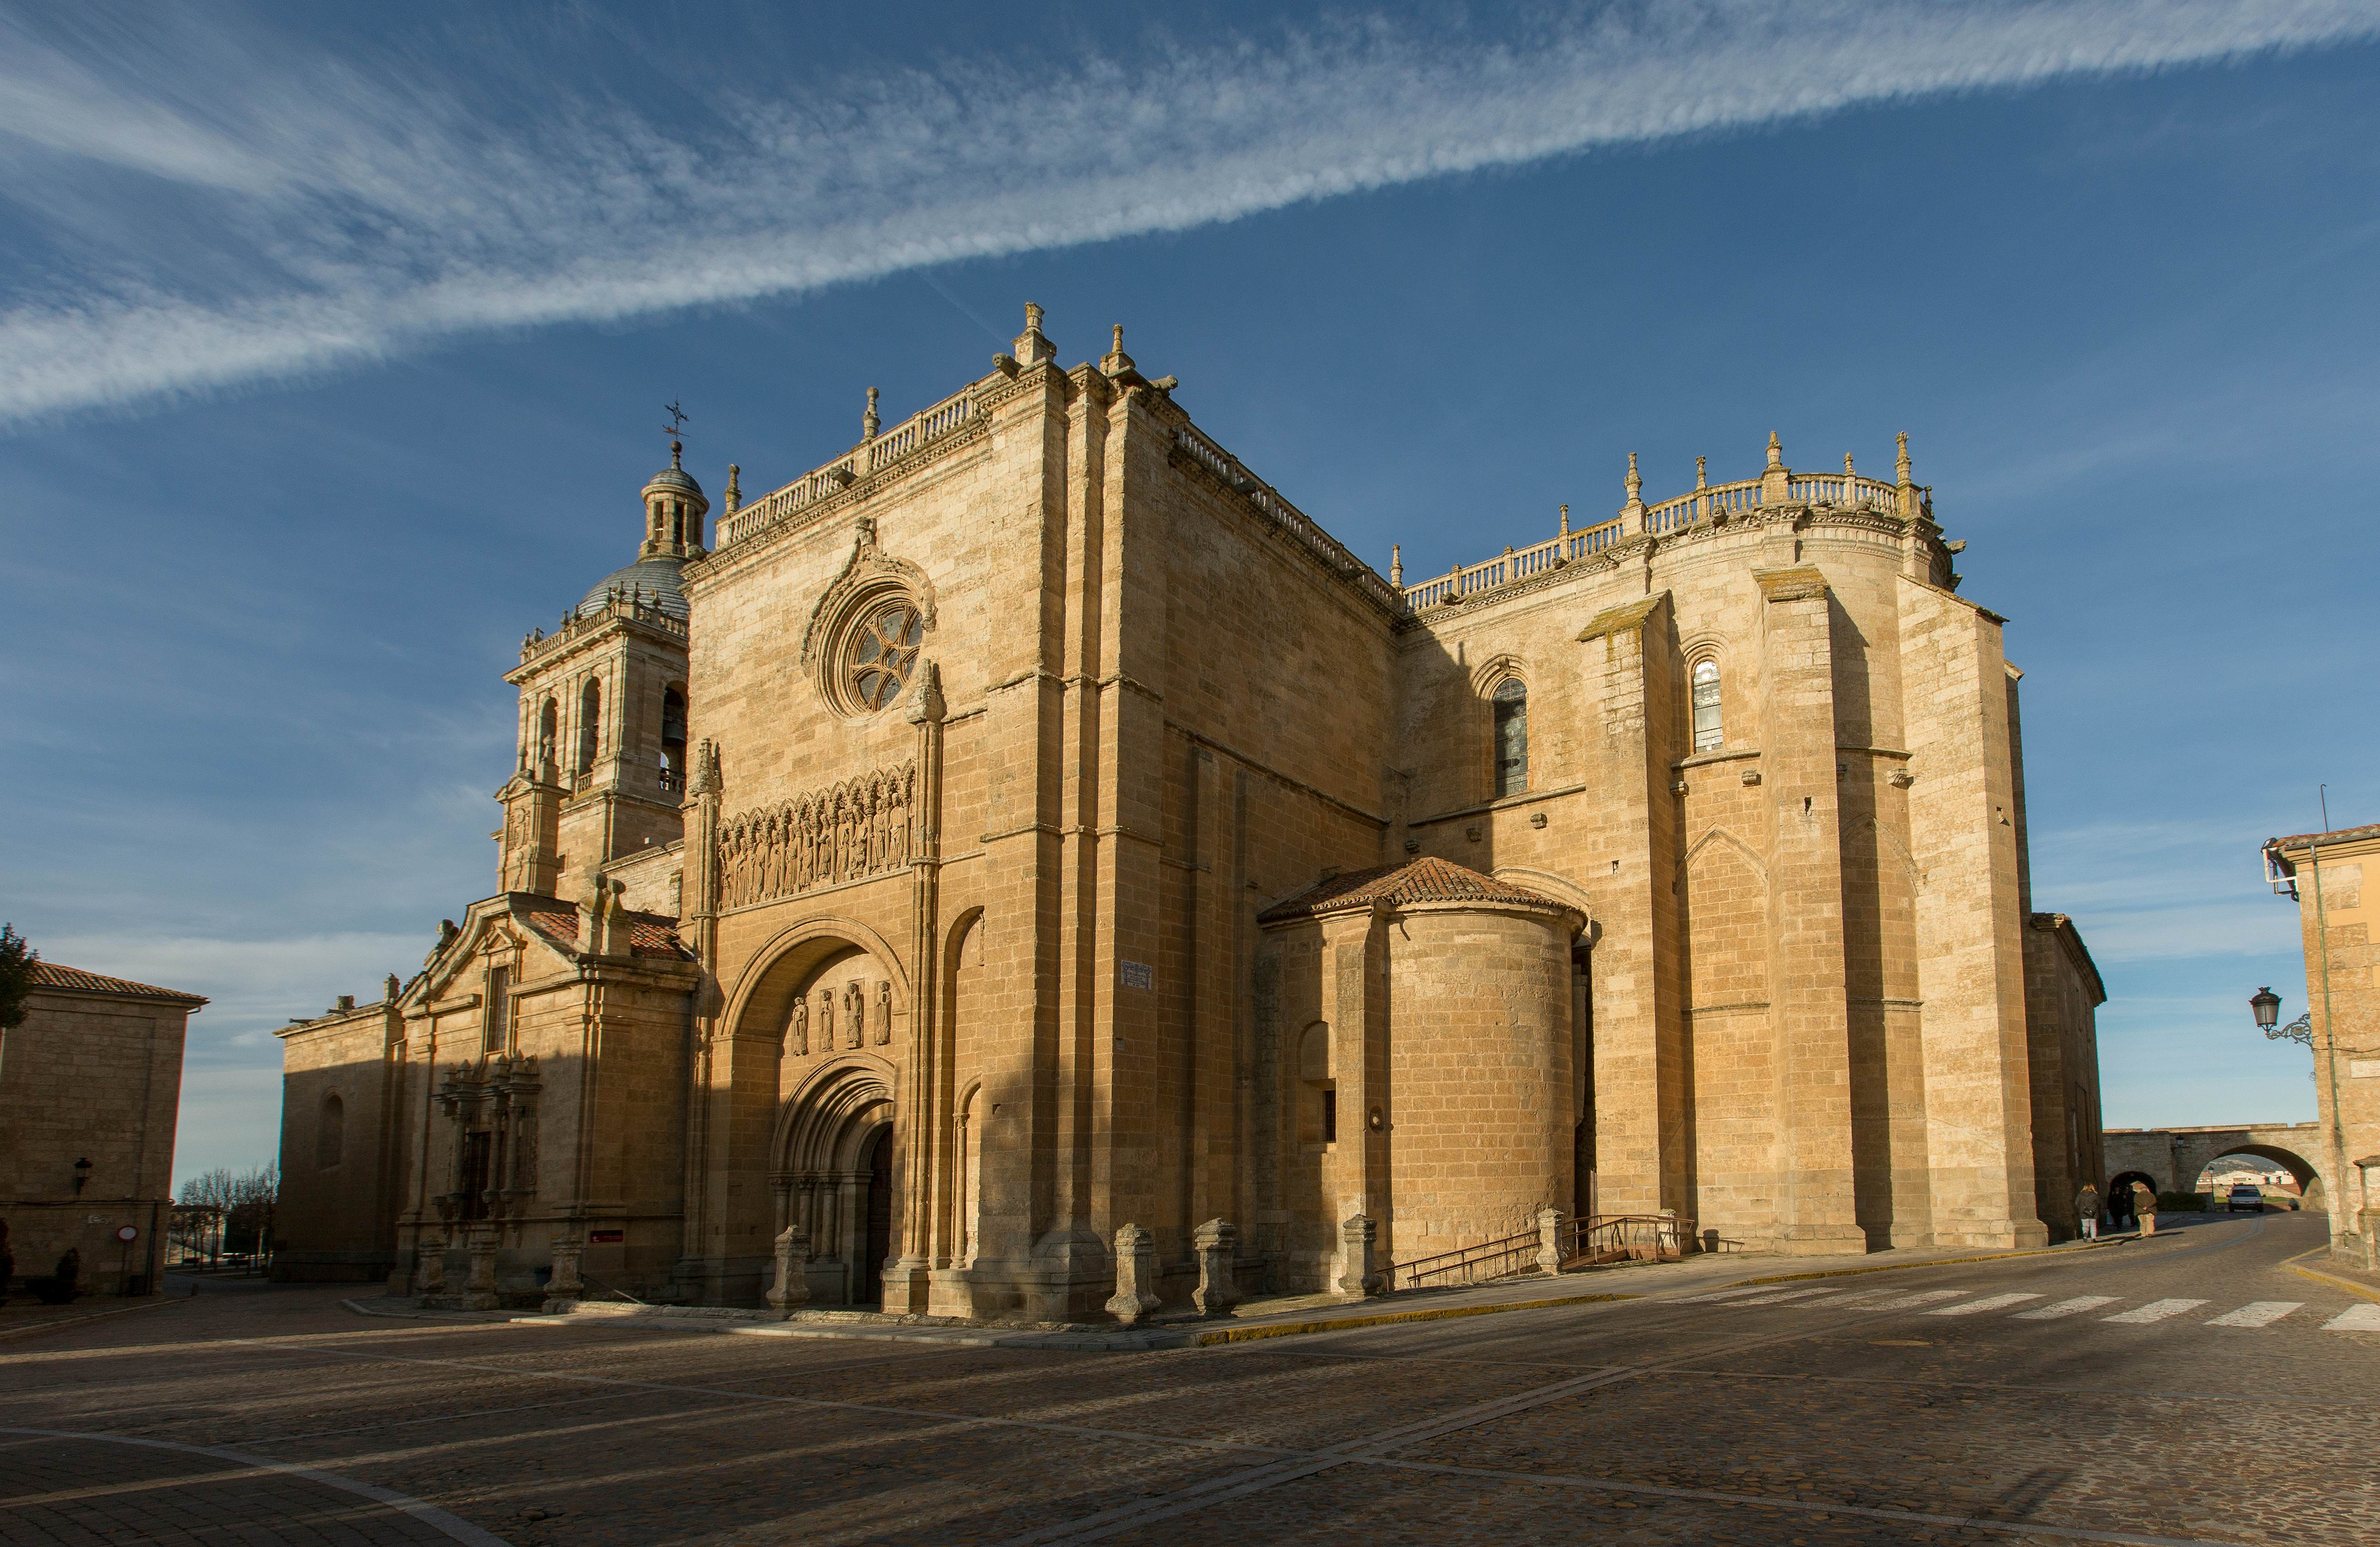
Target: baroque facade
{"points": [[1030, 824]]}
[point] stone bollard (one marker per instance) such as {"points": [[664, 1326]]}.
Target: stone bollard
{"points": [[479, 1289], [792, 1290], [1550, 1241], [566, 1285], [429, 1265], [1356, 1278], [1135, 1267], [1216, 1292]]}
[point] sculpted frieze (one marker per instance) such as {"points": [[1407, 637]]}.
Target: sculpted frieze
{"points": [[861, 827]]}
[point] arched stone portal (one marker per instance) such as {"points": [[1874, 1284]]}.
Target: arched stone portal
{"points": [[2301, 1171], [820, 1022], [2174, 1157], [832, 1173]]}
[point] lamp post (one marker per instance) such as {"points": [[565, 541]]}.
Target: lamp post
{"points": [[2268, 1008]]}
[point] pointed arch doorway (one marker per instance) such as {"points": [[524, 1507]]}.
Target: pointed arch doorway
{"points": [[836, 1177], [877, 1240]]}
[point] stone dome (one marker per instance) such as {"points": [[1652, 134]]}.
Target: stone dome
{"points": [[675, 477], [656, 578]]}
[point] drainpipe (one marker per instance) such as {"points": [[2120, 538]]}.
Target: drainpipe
{"points": [[2338, 1210]]}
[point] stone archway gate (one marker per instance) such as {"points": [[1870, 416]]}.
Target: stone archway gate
{"points": [[2176, 1156]]}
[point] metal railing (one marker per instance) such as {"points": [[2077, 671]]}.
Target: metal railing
{"points": [[1596, 1240]]}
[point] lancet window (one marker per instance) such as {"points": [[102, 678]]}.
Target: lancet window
{"points": [[1512, 714], [1708, 735]]}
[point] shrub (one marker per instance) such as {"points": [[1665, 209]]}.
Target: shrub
{"points": [[59, 1286]]}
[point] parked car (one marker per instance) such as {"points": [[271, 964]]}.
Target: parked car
{"points": [[2245, 1195]]}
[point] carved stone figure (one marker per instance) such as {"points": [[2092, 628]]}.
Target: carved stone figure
{"points": [[883, 1014], [797, 1037], [858, 828], [1356, 1276], [565, 1284], [854, 1015], [792, 1290], [1215, 1242], [826, 1020], [1135, 1266]]}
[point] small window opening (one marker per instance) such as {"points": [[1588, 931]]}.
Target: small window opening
{"points": [[1708, 736], [549, 729], [673, 739], [1511, 701], [591, 725], [498, 1018], [331, 1136], [1329, 1116]]}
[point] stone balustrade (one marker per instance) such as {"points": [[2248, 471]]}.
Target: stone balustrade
{"points": [[871, 456], [637, 606], [1293, 522], [1704, 503]]}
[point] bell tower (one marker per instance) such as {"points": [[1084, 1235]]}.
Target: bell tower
{"points": [[601, 767]]}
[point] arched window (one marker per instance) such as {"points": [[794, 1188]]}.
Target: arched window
{"points": [[1511, 701], [549, 729], [1708, 737], [673, 739], [591, 725], [331, 1133]]}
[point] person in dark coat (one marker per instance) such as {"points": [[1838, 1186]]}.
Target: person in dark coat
{"points": [[2086, 1208], [2144, 1208]]}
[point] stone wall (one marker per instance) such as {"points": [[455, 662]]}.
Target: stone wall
{"points": [[94, 1072], [334, 1220]]}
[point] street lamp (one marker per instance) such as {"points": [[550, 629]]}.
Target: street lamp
{"points": [[2267, 1006]]}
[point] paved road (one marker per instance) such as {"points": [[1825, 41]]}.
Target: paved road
{"points": [[2184, 1390]]}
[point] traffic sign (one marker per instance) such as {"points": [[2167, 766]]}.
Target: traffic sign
{"points": [[126, 1233]]}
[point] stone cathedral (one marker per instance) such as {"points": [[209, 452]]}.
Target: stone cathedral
{"points": [[1030, 823]]}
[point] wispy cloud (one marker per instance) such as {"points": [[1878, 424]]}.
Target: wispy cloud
{"points": [[196, 220]]}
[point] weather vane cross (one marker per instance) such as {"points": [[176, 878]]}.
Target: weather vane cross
{"points": [[677, 416]]}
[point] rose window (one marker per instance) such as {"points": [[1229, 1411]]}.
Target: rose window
{"points": [[884, 653]]}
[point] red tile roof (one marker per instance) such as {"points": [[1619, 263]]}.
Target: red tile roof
{"points": [[52, 974], [649, 934], [2341, 835], [1416, 880]]}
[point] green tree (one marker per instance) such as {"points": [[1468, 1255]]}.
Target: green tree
{"points": [[17, 961]]}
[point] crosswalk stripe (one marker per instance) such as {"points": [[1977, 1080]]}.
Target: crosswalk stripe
{"points": [[2258, 1313], [2075, 1307], [1929, 1296], [2156, 1311], [1718, 1295], [1861, 1298], [2355, 1317], [1788, 1295], [1989, 1302]]}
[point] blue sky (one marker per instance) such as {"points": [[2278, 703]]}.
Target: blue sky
{"points": [[332, 355]]}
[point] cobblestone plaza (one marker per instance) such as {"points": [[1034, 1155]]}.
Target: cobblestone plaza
{"points": [[2190, 1388]]}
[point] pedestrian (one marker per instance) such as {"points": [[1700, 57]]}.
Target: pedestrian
{"points": [[2086, 1208], [2144, 1208]]}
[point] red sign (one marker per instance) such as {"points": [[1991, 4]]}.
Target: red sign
{"points": [[126, 1233], [601, 1235]]}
